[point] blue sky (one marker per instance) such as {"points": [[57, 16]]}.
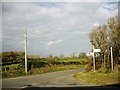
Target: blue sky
{"points": [[52, 27]]}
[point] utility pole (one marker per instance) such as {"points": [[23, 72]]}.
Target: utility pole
{"points": [[25, 45], [111, 58], [93, 60]]}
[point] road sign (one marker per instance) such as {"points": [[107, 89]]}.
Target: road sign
{"points": [[97, 50], [91, 54]]}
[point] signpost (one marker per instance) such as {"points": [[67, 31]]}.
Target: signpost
{"points": [[98, 50], [94, 50], [93, 60], [111, 59]]}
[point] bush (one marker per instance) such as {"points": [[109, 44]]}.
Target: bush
{"points": [[5, 74], [36, 64], [88, 68], [103, 70], [116, 67], [83, 55]]}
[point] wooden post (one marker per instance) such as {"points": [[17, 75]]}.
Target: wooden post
{"points": [[111, 59], [93, 60], [25, 44]]}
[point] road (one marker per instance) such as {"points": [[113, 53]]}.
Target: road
{"points": [[52, 79], [58, 78]]}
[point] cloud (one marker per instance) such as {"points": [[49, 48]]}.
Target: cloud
{"points": [[108, 10], [95, 24], [60, 0], [54, 42], [79, 33], [47, 21]]}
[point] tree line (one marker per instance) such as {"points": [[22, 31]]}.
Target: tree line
{"points": [[105, 36], [12, 61], [13, 57]]}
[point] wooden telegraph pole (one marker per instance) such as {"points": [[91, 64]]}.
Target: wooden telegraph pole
{"points": [[111, 58], [93, 60], [25, 45]]}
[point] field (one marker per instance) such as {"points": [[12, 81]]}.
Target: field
{"points": [[74, 60], [38, 67]]}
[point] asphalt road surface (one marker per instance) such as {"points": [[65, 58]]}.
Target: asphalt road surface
{"points": [[52, 79]]}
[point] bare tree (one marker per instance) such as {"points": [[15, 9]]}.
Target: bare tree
{"points": [[106, 36], [73, 54], [62, 56]]}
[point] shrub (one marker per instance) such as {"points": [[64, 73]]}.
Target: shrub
{"points": [[88, 68], [103, 70], [5, 74], [90, 65], [36, 64]]}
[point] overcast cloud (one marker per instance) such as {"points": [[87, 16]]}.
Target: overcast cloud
{"points": [[52, 28]]}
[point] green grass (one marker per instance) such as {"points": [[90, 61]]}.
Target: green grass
{"points": [[34, 71], [98, 78], [12, 65], [14, 71], [75, 60]]}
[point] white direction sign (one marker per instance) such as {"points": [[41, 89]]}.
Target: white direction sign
{"points": [[91, 53], [97, 50]]}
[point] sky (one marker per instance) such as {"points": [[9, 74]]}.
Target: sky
{"points": [[53, 27]]}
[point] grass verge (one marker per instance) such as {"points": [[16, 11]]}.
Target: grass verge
{"points": [[98, 78]]}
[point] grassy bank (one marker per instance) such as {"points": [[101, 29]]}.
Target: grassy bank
{"points": [[98, 78], [42, 66], [54, 68], [21, 72]]}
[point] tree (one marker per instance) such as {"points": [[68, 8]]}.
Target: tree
{"points": [[62, 56], [12, 57], [50, 56], [106, 36], [73, 54], [82, 55], [114, 29], [35, 57]]}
